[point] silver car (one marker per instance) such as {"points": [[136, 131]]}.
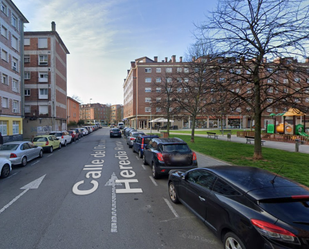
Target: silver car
{"points": [[132, 136], [20, 152], [5, 167]]}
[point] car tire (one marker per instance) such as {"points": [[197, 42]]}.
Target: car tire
{"points": [[5, 172], [51, 149], [140, 154], [24, 161], [65, 143], [231, 240], [41, 154], [60, 146], [155, 174], [144, 160], [172, 193]]}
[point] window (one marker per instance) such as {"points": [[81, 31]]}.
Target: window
{"points": [[4, 9], [179, 69], [186, 80], [43, 93], [5, 102], [297, 80], [42, 43], [147, 80], [43, 76], [158, 70], [270, 81], [14, 42], [168, 70], [26, 58], [27, 75], [43, 60], [4, 79], [285, 81], [15, 86], [148, 100], [27, 92], [15, 106], [4, 32], [158, 89], [4, 55], [186, 70], [223, 188], [14, 21], [3, 128], [158, 109], [147, 109], [27, 109], [269, 109], [147, 70], [148, 90], [179, 89], [15, 127], [158, 79], [14, 64], [43, 109], [179, 80], [27, 41], [168, 80], [158, 100], [238, 71]]}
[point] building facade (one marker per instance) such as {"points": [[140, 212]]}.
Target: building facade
{"points": [[95, 113], [116, 114], [72, 110], [11, 69], [45, 60]]}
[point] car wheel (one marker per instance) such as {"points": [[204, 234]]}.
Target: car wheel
{"points": [[51, 149], [5, 172], [172, 193], [41, 154], [60, 146], [155, 174], [140, 154], [144, 160], [231, 241], [24, 161], [65, 143]]}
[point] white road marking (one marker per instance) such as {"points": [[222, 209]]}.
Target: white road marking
{"points": [[153, 181], [171, 207]]}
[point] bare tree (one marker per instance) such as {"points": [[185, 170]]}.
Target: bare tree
{"points": [[251, 31]]}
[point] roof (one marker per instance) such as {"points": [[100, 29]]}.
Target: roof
{"points": [[293, 112]]}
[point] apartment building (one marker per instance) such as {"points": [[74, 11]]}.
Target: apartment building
{"points": [[142, 88], [45, 61], [72, 110], [11, 70], [94, 113], [116, 114]]}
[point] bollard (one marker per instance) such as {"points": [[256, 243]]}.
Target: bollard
{"points": [[296, 145], [228, 136]]}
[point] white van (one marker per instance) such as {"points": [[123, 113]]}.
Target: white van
{"points": [[120, 125]]}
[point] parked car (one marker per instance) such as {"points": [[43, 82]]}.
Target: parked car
{"points": [[140, 142], [78, 132], [128, 130], [115, 132], [132, 136], [20, 152], [84, 131], [246, 207], [73, 135], [5, 167], [64, 137], [47, 142], [165, 154]]}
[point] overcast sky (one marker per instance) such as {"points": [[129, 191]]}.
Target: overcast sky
{"points": [[104, 36]]}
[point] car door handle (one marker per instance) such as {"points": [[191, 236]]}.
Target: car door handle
{"points": [[201, 198]]}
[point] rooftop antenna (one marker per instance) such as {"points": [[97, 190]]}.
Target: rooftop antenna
{"points": [[273, 180]]}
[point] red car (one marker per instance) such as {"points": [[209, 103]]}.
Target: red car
{"points": [[74, 135]]}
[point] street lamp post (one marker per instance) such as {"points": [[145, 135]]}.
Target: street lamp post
{"points": [[150, 118]]}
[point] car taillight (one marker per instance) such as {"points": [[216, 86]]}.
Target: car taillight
{"points": [[62, 137], [142, 145], [47, 143], [273, 232], [132, 138], [12, 155], [160, 157], [194, 158]]}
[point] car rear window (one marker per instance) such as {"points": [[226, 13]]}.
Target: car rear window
{"points": [[289, 211], [176, 148], [39, 139], [9, 147]]}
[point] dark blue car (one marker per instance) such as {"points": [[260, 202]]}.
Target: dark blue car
{"points": [[140, 142]]}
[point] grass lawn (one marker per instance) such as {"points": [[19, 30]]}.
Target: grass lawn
{"points": [[289, 164], [233, 132]]}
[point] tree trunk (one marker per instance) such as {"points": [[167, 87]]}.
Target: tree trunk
{"points": [[193, 129], [257, 118]]}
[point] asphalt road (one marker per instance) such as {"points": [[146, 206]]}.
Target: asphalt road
{"points": [[94, 193]]}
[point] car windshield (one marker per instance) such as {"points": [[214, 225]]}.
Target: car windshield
{"points": [[176, 148], [39, 139], [58, 134], [9, 147]]}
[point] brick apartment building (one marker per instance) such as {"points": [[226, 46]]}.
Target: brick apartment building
{"points": [[45, 61], [142, 85], [94, 113], [72, 110], [11, 69], [116, 114]]}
